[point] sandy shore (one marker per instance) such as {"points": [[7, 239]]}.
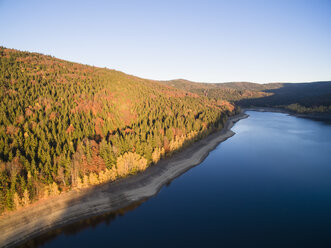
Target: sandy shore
{"points": [[73, 206]]}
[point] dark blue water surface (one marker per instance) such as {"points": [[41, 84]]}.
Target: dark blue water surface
{"points": [[267, 186]]}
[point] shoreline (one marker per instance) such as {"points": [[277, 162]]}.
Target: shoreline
{"points": [[37, 219], [315, 116]]}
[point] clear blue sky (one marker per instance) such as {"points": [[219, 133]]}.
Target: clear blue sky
{"points": [[208, 41]]}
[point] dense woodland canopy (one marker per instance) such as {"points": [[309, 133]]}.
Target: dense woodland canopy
{"points": [[65, 125]]}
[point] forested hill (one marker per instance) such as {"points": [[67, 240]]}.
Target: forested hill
{"points": [[297, 97], [65, 125], [228, 91]]}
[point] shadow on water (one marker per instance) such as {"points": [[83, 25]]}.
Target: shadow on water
{"points": [[79, 226]]}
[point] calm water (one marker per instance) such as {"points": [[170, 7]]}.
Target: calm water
{"points": [[267, 186]]}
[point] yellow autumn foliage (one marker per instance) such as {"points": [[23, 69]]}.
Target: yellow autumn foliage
{"points": [[85, 181], [107, 175], [80, 184], [50, 190], [25, 199], [53, 189], [16, 201], [93, 179], [157, 154], [130, 163]]}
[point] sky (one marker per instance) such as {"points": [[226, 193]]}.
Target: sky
{"points": [[204, 41]]}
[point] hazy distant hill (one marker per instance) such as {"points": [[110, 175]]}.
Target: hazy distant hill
{"points": [[65, 125]]}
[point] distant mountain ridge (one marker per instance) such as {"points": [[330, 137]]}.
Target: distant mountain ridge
{"points": [[298, 97]]}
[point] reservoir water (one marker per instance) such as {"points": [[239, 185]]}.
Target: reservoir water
{"points": [[267, 186]]}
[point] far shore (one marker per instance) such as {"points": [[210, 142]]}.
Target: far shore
{"points": [[70, 207], [314, 115]]}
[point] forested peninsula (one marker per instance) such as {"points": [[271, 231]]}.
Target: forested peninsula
{"points": [[67, 126]]}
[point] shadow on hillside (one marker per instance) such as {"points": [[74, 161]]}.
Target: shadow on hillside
{"points": [[306, 94]]}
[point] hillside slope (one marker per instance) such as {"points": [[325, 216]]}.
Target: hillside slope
{"points": [[65, 125]]}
